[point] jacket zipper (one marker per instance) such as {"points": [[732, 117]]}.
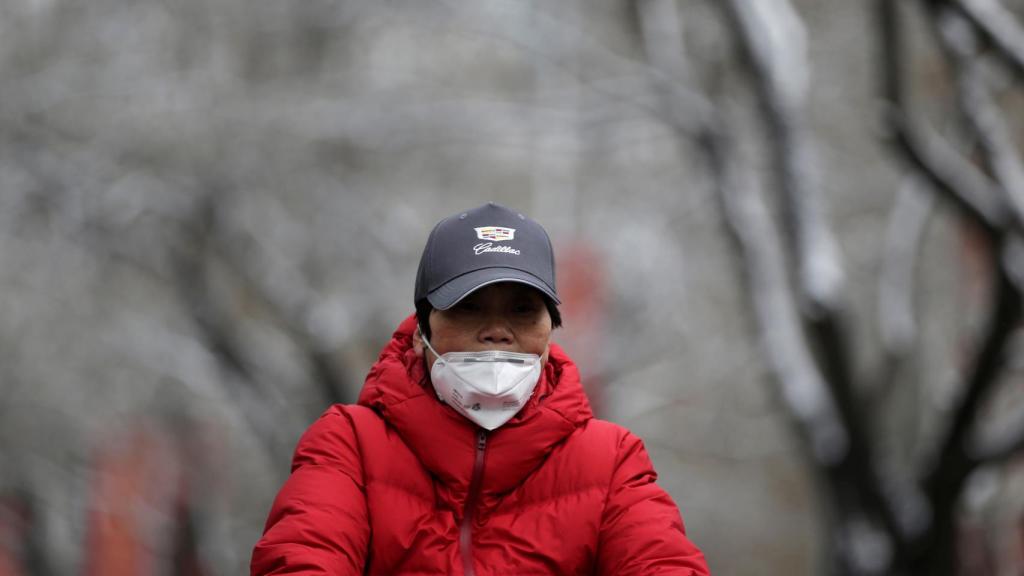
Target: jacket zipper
{"points": [[466, 530]]}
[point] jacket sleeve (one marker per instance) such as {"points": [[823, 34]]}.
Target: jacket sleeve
{"points": [[641, 530], [318, 523]]}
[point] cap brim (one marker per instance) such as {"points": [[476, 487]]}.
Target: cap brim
{"points": [[449, 293]]}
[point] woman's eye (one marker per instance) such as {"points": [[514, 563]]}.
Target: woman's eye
{"points": [[467, 307], [524, 309]]}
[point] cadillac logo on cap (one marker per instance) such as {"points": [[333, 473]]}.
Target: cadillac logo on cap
{"points": [[495, 233]]}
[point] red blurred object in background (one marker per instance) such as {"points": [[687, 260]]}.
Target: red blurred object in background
{"points": [[581, 287]]}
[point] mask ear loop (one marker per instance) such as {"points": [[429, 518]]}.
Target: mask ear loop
{"points": [[427, 342]]}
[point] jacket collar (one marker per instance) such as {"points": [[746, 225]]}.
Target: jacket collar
{"points": [[399, 389]]}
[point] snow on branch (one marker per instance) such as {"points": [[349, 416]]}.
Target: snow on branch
{"points": [[949, 172], [998, 447], [774, 42], [999, 26], [984, 118], [907, 223], [956, 178], [993, 204], [804, 389]]}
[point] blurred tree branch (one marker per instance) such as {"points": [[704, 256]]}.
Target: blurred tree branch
{"points": [[938, 161], [994, 206], [985, 121], [772, 39], [807, 345], [896, 294], [998, 25], [995, 448]]}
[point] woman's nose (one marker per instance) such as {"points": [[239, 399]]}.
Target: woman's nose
{"points": [[495, 331]]}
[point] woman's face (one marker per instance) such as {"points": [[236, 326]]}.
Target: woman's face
{"points": [[505, 316]]}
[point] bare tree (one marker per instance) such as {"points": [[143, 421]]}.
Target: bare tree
{"points": [[880, 522]]}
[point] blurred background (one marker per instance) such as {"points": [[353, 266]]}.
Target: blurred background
{"points": [[788, 235]]}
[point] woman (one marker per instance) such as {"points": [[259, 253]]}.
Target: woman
{"points": [[472, 448]]}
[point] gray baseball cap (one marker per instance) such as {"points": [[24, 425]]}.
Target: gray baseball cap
{"points": [[482, 246]]}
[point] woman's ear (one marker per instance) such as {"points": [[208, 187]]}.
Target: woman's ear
{"points": [[417, 342]]}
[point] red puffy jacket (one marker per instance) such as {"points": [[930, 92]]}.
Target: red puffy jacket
{"points": [[402, 484]]}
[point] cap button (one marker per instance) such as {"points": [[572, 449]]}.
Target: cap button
{"points": [[521, 217], [462, 216]]}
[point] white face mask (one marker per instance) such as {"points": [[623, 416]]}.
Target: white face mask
{"points": [[488, 387]]}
